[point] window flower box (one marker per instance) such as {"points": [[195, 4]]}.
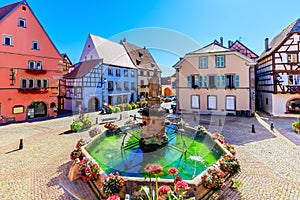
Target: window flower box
{"points": [[33, 90], [35, 71]]}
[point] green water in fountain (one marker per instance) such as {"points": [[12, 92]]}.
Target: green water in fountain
{"points": [[201, 152]]}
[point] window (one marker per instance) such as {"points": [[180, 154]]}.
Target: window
{"points": [[110, 85], [7, 40], [133, 86], [132, 73], [267, 101], [118, 72], [195, 99], [110, 72], [195, 81], [232, 81], [38, 65], [34, 64], [203, 62], [212, 81], [45, 83], [230, 102], [35, 45], [294, 79], [142, 73], [126, 86], [125, 73], [140, 54], [118, 86], [212, 102], [138, 62], [30, 83], [23, 83], [22, 22], [220, 61], [174, 85], [142, 82], [292, 58], [38, 83]]}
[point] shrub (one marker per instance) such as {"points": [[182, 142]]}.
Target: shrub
{"points": [[129, 107], [76, 126], [117, 109], [86, 122], [296, 125]]}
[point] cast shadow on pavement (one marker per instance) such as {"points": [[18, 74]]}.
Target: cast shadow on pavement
{"points": [[72, 190]]}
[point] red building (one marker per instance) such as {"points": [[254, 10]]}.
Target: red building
{"points": [[30, 66]]}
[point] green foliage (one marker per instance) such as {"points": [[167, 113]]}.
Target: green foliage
{"points": [[76, 126], [129, 107], [86, 122], [235, 184], [295, 125], [117, 109]]}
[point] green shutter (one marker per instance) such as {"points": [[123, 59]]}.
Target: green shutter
{"points": [[237, 81], [205, 82], [189, 83], [218, 81], [223, 81], [200, 81]]}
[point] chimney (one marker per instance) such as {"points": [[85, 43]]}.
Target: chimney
{"points": [[122, 40], [266, 44], [221, 41], [229, 43]]}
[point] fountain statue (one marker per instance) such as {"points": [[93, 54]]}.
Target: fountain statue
{"points": [[153, 134]]}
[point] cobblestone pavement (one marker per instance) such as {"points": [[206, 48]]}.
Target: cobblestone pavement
{"points": [[269, 160]]}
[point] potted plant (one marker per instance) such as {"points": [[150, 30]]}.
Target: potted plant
{"points": [[213, 178], [229, 163]]}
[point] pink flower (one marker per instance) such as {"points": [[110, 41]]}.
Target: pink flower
{"points": [[173, 171], [161, 198], [182, 186], [154, 169], [164, 190], [114, 197]]}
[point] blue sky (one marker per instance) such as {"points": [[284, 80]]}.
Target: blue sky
{"points": [[168, 28]]}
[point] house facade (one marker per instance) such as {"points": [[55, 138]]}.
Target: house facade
{"points": [[30, 66], [145, 64], [278, 73], [168, 85], [215, 80], [113, 79]]}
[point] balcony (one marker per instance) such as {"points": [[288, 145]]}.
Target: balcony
{"points": [[34, 90], [35, 71]]}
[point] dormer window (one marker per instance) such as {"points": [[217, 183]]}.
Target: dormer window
{"points": [[22, 22], [140, 54], [35, 45], [138, 62]]}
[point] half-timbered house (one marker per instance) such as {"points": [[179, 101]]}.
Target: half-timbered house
{"points": [[278, 73]]}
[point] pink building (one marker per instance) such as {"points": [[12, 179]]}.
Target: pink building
{"points": [[30, 66]]}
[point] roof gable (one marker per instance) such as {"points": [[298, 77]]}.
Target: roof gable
{"points": [[294, 27], [111, 52], [82, 68], [213, 47], [140, 57], [240, 47], [5, 10]]}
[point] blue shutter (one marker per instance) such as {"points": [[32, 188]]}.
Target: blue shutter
{"points": [[189, 84], [200, 81], [237, 81]]}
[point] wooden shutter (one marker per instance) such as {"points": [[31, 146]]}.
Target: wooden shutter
{"points": [[200, 81], [237, 81], [222, 81], [189, 83], [205, 82]]}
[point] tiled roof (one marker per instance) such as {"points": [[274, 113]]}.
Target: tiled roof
{"points": [[213, 47], [111, 52], [82, 68], [165, 80], [7, 9], [278, 39], [140, 57]]}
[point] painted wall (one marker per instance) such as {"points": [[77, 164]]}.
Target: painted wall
{"points": [[233, 64], [17, 57]]}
